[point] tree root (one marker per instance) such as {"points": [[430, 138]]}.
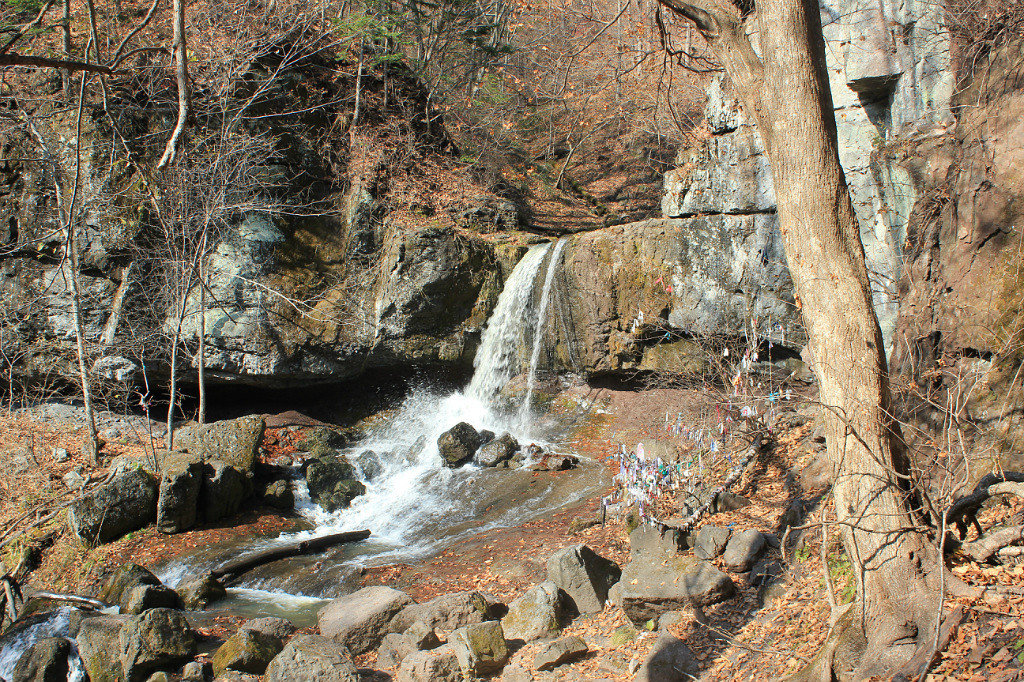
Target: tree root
{"points": [[984, 548], [965, 510]]}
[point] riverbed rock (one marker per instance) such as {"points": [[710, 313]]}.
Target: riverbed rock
{"points": [[159, 638], [181, 476], [201, 592], [121, 582], [448, 612], [97, 641], [125, 504], [370, 464], [45, 661], [743, 550], [269, 625], [649, 589], [583, 575], [144, 597], [360, 620], [499, 450], [332, 482], [395, 647], [278, 494], [560, 652], [669, 659], [249, 651], [480, 648], [313, 658], [436, 665], [458, 444], [235, 441], [711, 542], [537, 614], [224, 488], [554, 462]]}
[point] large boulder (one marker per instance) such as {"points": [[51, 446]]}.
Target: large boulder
{"points": [[711, 541], [436, 665], [235, 441], [248, 651], [122, 581], [332, 483], [583, 575], [497, 451], [360, 620], [270, 625], [743, 550], [201, 592], [125, 504], [97, 641], [447, 612], [480, 648], [224, 488], [535, 615], [668, 660], [145, 597], [649, 589], [458, 444], [181, 476], [313, 658], [159, 638], [45, 661]]}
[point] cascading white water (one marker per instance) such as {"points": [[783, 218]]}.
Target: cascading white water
{"points": [[525, 409]]}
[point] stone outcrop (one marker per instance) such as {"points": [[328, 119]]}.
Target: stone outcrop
{"points": [[127, 503]]}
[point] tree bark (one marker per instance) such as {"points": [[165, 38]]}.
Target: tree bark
{"points": [[789, 97], [180, 50]]}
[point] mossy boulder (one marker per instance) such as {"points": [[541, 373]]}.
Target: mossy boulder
{"points": [[332, 483], [249, 651]]}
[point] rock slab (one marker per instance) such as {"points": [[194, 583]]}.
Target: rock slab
{"points": [[583, 575], [559, 652], [447, 612], [181, 477], [314, 659], [649, 589], [360, 620]]}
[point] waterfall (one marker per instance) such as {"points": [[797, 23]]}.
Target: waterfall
{"points": [[497, 359], [538, 334]]}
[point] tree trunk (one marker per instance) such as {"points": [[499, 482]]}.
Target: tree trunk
{"points": [[877, 512], [180, 50], [201, 417]]}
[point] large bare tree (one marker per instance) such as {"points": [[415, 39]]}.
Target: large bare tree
{"points": [[786, 91]]}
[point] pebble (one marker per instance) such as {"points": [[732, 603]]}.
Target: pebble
{"points": [[60, 455]]}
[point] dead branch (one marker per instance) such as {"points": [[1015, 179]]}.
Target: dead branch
{"points": [[984, 548]]}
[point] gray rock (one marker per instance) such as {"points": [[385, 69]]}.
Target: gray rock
{"points": [[497, 451], [584, 576], [312, 658], [447, 612], [458, 444], [669, 659], [278, 494], [275, 627], [537, 614], [224, 489], [728, 501], [559, 652], [655, 540], [115, 368], [201, 592], [480, 648], [437, 665], [181, 476], [395, 647], [159, 638], [649, 589], [160, 676], [121, 582], [75, 479], [97, 641], [743, 550], [194, 671], [125, 504], [711, 541], [248, 651], [332, 483], [144, 597], [370, 465], [60, 455], [234, 441], [360, 620], [45, 661]]}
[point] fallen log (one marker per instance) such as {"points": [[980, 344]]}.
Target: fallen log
{"points": [[76, 599], [232, 570]]}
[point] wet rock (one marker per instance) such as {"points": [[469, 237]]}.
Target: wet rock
{"points": [[311, 657], [480, 647], [584, 576], [458, 444], [655, 540], [497, 451], [560, 652], [278, 494], [125, 504], [159, 638], [370, 465], [97, 641], [535, 615], [248, 651], [234, 441], [711, 542], [360, 620], [437, 665], [45, 661], [669, 659], [324, 440], [744, 548], [181, 476], [447, 612], [224, 489], [201, 592], [145, 597], [649, 589], [332, 482], [275, 627], [120, 584]]}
